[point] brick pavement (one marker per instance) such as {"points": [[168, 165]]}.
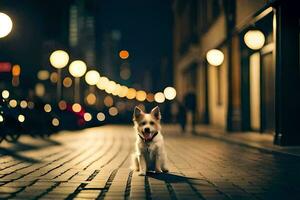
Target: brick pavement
{"points": [[94, 164]]}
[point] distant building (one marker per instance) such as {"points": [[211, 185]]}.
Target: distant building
{"points": [[252, 90]]}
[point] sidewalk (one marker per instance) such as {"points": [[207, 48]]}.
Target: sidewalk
{"points": [[250, 139]]}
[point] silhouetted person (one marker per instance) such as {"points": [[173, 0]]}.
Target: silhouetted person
{"points": [[181, 117], [190, 102]]}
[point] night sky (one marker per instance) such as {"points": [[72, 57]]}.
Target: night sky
{"points": [[146, 28]]}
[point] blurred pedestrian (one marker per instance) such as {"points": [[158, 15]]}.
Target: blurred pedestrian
{"points": [[190, 102], [181, 117]]}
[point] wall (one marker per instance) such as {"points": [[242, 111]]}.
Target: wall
{"points": [[218, 112]]}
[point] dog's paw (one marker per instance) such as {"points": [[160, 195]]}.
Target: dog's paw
{"points": [[141, 173], [165, 170], [158, 171]]}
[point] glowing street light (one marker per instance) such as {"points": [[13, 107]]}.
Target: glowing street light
{"points": [[159, 97], [124, 54], [92, 77], [170, 93], [215, 57], [254, 39], [5, 25], [141, 95], [77, 69], [59, 59]]}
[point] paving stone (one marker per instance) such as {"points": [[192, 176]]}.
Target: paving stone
{"points": [[96, 161]]}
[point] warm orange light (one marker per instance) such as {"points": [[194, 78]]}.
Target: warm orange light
{"points": [[76, 107], [123, 91], [124, 54], [54, 77], [113, 111], [91, 99], [67, 82], [87, 117], [131, 93], [16, 70], [150, 97], [141, 95], [108, 101], [62, 105]]}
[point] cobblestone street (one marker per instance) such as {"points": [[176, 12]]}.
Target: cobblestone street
{"points": [[94, 164]]}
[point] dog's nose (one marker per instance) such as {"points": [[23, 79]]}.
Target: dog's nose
{"points": [[147, 129]]}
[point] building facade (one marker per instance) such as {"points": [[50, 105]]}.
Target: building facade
{"points": [[254, 89]]}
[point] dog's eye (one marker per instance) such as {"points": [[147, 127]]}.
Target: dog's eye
{"points": [[143, 123], [152, 123]]}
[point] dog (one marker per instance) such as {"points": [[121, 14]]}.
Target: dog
{"points": [[150, 155]]}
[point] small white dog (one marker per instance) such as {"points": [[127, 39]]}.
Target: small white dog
{"points": [[150, 155]]}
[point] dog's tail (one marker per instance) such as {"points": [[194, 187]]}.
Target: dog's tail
{"points": [[134, 163]]}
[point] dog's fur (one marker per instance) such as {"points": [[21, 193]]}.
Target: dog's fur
{"points": [[150, 155]]}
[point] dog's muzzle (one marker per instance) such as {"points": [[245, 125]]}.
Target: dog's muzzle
{"points": [[148, 136]]}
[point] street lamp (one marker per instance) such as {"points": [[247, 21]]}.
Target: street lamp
{"points": [[77, 69], [92, 77], [59, 59], [254, 39], [215, 57], [5, 25], [170, 93]]}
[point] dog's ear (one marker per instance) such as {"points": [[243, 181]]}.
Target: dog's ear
{"points": [[155, 112], [137, 113]]}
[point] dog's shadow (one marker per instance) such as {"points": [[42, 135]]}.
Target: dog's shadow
{"points": [[170, 178]]}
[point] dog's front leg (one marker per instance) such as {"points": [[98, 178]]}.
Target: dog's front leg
{"points": [[142, 165], [158, 163]]}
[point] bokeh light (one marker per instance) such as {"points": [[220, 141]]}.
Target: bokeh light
{"points": [[23, 104], [215, 57], [55, 122], [87, 117], [150, 97], [110, 87], [254, 39], [5, 94], [54, 77], [77, 68], [21, 118], [117, 90], [13, 103], [141, 95], [92, 77], [43, 75], [62, 105], [102, 83], [47, 108], [30, 105], [39, 89], [6, 25], [124, 54], [123, 91], [131, 93], [76, 107], [159, 97], [59, 59], [16, 70], [170, 93], [113, 111], [1, 118], [67, 82], [91, 98], [125, 73], [101, 116], [108, 101]]}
